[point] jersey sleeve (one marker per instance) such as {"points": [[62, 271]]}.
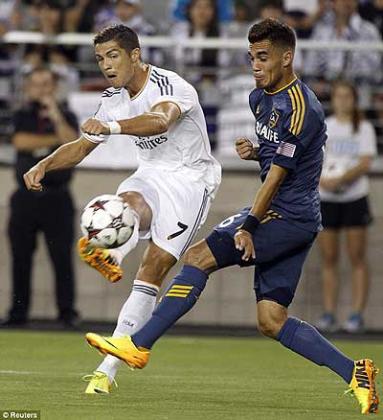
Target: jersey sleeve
{"points": [[300, 126], [177, 91], [102, 115]]}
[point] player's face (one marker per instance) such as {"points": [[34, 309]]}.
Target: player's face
{"points": [[269, 63], [117, 64]]}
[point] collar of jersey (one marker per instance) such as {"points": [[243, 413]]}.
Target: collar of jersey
{"points": [[144, 85], [282, 88]]}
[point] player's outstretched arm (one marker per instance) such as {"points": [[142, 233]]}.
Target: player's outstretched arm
{"points": [[243, 238], [66, 156], [156, 121]]}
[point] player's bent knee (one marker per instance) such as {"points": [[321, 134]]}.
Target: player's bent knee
{"points": [[200, 256], [271, 317], [268, 328]]}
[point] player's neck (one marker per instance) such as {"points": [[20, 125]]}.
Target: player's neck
{"points": [[284, 82], [139, 79]]}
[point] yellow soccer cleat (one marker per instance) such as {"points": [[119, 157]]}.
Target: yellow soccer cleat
{"points": [[98, 383], [100, 259], [120, 347], [363, 386]]}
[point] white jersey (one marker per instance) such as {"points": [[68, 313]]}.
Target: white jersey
{"points": [[185, 147], [343, 150]]}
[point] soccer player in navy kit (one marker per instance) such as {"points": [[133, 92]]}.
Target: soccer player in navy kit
{"points": [[276, 233]]}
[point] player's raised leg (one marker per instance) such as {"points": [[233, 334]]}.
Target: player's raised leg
{"points": [[108, 261]]}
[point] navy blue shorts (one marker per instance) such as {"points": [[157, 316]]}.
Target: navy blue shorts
{"points": [[280, 251]]}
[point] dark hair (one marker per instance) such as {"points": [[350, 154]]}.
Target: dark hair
{"points": [[273, 30], [123, 35], [356, 112]]}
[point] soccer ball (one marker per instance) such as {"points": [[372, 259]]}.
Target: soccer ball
{"points": [[107, 221]]}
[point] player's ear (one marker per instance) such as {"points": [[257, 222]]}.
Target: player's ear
{"points": [[287, 58], [135, 55]]}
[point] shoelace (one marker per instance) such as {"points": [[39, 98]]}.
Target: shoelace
{"points": [[89, 377]]}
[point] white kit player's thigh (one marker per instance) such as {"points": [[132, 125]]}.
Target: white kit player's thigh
{"points": [[179, 206]]}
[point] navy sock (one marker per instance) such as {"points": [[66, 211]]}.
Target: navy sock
{"points": [[302, 338], [180, 297]]}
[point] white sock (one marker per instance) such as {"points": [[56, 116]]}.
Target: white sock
{"points": [[135, 312], [123, 250]]}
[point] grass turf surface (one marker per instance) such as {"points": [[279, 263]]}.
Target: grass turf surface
{"points": [[187, 378]]}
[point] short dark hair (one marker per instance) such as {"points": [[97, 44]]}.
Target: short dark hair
{"points": [[123, 35], [275, 31]]}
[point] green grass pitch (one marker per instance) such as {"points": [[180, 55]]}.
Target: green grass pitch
{"points": [[187, 378]]}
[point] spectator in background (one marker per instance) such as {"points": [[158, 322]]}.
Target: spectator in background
{"points": [[302, 16], [80, 17], [372, 10], [224, 10], [42, 125], [45, 16], [350, 148], [272, 9], [344, 24], [129, 13], [57, 59], [237, 60], [201, 63], [239, 26]]}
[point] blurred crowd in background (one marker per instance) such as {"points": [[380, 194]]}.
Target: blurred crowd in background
{"points": [[213, 71]]}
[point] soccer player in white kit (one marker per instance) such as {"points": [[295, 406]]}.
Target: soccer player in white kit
{"points": [[172, 188]]}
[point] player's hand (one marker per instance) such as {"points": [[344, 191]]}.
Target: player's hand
{"points": [[245, 148], [33, 177], [95, 127], [244, 242]]}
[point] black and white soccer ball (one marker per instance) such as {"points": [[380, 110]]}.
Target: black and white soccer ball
{"points": [[107, 221]]}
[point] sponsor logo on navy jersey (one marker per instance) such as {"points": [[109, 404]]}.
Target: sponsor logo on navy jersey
{"points": [[266, 132]]}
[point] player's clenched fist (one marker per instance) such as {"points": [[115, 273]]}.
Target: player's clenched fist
{"points": [[245, 149], [33, 177], [95, 127], [244, 242]]}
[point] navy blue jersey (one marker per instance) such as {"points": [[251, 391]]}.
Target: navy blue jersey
{"points": [[291, 132]]}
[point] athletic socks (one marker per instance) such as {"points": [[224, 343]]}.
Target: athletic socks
{"points": [[179, 298], [134, 314], [302, 338]]}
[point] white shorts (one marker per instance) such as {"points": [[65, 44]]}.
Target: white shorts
{"points": [[179, 206]]}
